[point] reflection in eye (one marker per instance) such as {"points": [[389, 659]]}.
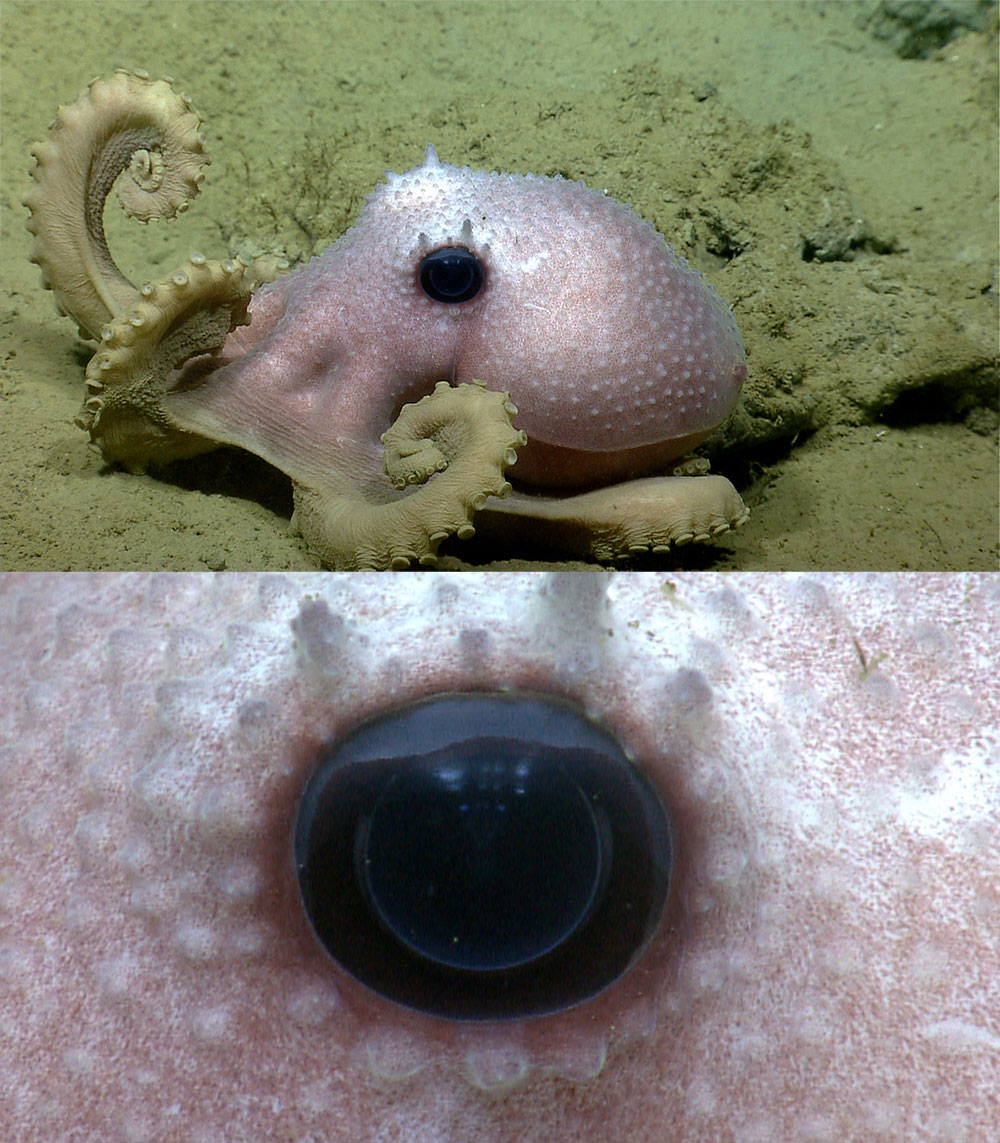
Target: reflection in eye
{"points": [[482, 855], [187, 752]]}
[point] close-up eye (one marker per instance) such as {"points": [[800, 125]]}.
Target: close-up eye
{"points": [[451, 275], [498, 857], [482, 856]]}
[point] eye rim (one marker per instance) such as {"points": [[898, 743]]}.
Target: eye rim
{"points": [[477, 998], [434, 258]]}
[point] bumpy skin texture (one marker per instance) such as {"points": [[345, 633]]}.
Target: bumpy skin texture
{"points": [[608, 341], [618, 356], [827, 748]]}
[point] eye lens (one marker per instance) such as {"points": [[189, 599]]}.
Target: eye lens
{"points": [[482, 856], [451, 275], [485, 855]]}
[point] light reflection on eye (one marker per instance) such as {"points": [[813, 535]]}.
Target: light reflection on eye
{"points": [[539, 901]]}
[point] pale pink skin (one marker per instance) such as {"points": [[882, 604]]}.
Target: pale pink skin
{"points": [[829, 967], [619, 356]]}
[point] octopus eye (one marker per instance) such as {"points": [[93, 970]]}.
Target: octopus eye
{"points": [[452, 274], [482, 856]]}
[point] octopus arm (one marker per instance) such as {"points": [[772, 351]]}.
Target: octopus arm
{"points": [[143, 135], [454, 444], [127, 126], [624, 520]]}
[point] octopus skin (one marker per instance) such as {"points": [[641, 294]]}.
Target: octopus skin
{"points": [[826, 745], [586, 362]]}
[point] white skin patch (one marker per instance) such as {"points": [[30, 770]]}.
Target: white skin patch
{"points": [[826, 746]]}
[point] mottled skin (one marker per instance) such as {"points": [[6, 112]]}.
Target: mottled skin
{"points": [[829, 966], [617, 356]]}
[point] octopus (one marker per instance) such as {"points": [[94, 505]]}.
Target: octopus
{"points": [[521, 351], [826, 967]]}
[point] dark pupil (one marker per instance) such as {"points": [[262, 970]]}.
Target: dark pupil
{"points": [[451, 275], [482, 856]]}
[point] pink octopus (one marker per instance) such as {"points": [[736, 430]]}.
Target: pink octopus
{"points": [[470, 323]]}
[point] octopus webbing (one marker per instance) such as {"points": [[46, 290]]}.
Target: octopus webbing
{"points": [[521, 349]]}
